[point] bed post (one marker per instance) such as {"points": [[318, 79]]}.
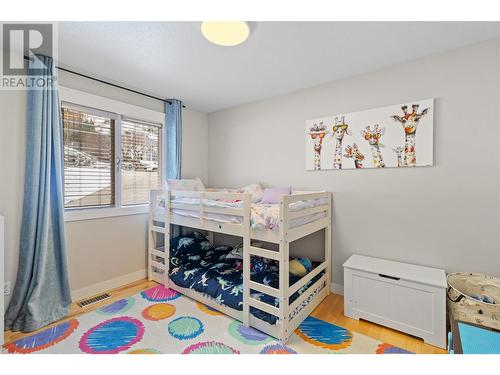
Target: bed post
{"points": [[328, 245], [151, 237], [247, 208], [284, 250], [167, 238]]}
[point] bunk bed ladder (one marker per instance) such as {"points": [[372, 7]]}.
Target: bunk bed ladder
{"points": [[151, 237], [282, 256], [166, 239], [158, 259]]}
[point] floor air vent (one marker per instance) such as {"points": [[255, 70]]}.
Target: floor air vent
{"points": [[90, 301]]}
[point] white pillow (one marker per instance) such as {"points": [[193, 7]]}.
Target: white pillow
{"points": [[185, 184], [254, 189]]}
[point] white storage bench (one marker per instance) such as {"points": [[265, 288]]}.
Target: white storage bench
{"points": [[402, 296]]}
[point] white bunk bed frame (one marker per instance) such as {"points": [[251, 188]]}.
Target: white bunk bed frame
{"points": [[285, 326]]}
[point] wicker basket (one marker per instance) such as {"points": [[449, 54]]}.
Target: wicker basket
{"points": [[462, 286]]}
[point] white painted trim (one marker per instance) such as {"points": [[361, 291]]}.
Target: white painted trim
{"points": [[337, 288], [104, 286], [117, 110], [79, 214]]}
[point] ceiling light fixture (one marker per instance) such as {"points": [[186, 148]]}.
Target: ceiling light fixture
{"points": [[225, 33]]}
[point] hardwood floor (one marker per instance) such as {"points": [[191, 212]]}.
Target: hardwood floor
{"points": [[75, 310], [330, 310]]}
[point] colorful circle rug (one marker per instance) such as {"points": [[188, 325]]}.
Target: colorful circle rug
{"points": [[185, 327], [112, 336], [160, 294], [158, 311], [390, 349], [247, 335], [210, 347], [43, 339], [158, 321], [323, 334], [277, 349], [118, 307], [144, 351], [207, 309]]}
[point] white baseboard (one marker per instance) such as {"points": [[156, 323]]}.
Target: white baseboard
{"points": [[337, 289], [104, 286]]}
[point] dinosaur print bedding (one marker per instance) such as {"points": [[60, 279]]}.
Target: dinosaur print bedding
{"points": [[196, 264]]}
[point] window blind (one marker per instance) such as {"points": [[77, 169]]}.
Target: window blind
{"points": [[88, 158], [140, 160]]}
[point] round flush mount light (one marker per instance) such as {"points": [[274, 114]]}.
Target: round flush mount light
{"points": [[225, 33]]}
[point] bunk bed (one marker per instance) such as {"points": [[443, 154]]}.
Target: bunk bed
{"points": [[275, 305]]}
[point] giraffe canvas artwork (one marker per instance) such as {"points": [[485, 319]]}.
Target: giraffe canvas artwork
{"points": [[400, 135], [410, 121], [353, 153], [373, 137], [317, 133], [340, 129]]}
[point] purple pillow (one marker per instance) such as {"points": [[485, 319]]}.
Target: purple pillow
{"points": [[272, 195]]}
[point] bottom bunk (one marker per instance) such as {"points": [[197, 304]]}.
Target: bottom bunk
{"points": [[214, 275]]}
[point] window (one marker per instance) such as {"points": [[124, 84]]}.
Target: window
{"points": [[88, 158], [140, 173], [109, 160]]}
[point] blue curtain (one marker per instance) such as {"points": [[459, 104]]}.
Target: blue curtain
{"points": [[41, 294], [173, 142], [173, 138]]}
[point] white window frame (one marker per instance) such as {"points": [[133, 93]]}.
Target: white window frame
{"points": [[80, 99]]}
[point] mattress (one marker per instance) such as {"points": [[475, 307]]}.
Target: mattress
{"points": [[198, 265], [263, 216]]}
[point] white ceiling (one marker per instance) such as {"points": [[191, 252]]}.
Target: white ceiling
{"points": [[173, 60]]}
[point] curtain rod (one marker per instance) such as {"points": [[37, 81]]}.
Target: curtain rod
{"points": [[111, 84]]}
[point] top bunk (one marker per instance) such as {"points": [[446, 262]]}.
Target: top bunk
{"points": [[242, 212]]}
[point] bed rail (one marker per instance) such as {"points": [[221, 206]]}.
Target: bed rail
{"points": [[264, 307], [207, 194], [304, 280], [172, 202], [307, 211], [218, 210], [303, 196], [301, 299], [264, 288], [303, 230], [307, 229]]}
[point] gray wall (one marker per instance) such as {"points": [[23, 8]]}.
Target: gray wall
{"points": [[443, 216], [101, 249]]}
